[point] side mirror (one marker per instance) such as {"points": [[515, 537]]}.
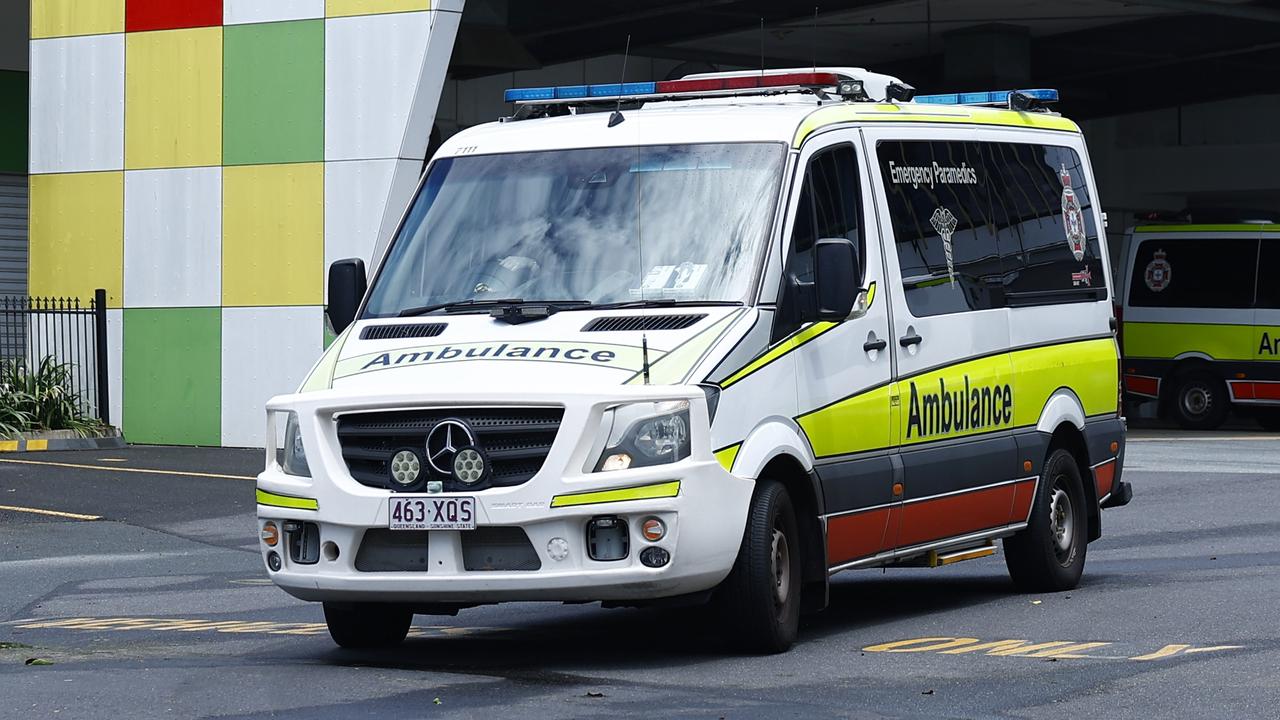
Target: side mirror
{"points": [[838, 268], [347, 285]]}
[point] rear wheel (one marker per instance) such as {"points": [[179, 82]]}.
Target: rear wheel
{"points": [[1048, 556], [1199, 401], [367, 625], [761, 597]]}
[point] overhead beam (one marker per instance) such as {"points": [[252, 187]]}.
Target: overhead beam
{"points": [[1208, 7]]}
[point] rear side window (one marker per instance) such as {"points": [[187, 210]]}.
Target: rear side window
{"points": [[1194, 273], [940, 208], [1043, 206], [1268, 287]]}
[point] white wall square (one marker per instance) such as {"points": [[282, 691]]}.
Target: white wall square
{"points": [[266, 351], [236, 12], [77, 104], [372, 67], [173, 238], [355, 194]]}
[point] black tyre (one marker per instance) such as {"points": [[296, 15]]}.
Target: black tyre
{"points": [[367, 625], [1048, 556], [760, 600], [1199, 401], [1268, 418]]}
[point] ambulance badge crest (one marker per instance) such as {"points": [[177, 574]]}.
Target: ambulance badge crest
{"points": [[1072, 216], [1159, 272], [945, 223]]}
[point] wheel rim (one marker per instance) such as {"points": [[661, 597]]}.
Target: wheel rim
{"points": [[1197, 400], [781, 568], [1062, 523]]}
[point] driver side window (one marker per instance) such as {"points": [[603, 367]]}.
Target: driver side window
{"points": [[828, 208]]}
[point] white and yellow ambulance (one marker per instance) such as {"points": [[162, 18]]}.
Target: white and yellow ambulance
{"points": [[712, 339], [1201, 330]]}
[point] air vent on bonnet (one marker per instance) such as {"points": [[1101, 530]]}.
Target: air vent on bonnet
{"points": [[400, 332], [628, 323]]}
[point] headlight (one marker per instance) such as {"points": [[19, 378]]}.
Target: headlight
{"points": [[645, 434], [293, 456]]}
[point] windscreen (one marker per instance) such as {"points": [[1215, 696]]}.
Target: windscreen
{"points": [[604, 225]]}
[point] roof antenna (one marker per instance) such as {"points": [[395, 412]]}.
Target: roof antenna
{"points": [[644, 353], [813, 38], [616, 118]]}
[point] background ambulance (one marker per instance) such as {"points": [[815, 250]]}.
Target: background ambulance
{"points": [[1202, 321], [715, 342]]}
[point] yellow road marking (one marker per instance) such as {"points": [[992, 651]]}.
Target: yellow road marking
{"points": [[1056, 649], [260, 627], [51, 513], [149, 471], [1209, 438], [37, 445], [1171, 650]]}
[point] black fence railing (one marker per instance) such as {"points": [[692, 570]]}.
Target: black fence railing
{"points": [[68, 330]]}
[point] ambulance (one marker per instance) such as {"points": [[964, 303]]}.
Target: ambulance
{"points": [[1201, 330], [710, 340]]}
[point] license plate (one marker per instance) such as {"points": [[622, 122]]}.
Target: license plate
{"points": [[431, 512]]}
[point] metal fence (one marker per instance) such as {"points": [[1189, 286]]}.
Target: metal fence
{"points": [[68, 330]]}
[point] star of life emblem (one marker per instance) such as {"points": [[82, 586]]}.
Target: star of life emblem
{"points": [[945, 223], [1084, 277], [1072, 216], [1159, 272]]}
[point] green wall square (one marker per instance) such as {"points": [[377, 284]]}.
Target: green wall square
{"points": [[172, 363], [273, 93]]}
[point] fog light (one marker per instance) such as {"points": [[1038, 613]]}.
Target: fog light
{"points": [[557, 548], [270, 534], [617, 461], [607, 538], [273, 562], [653, 530], [655, 557]]}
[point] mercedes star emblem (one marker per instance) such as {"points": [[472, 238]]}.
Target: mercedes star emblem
{"points": [[443, 443]]}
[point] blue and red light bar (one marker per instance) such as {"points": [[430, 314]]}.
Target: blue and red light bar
{"points": [[671, 87], [992, 97]]}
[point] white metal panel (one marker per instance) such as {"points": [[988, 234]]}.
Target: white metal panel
{"points": [[355, 196], [77, 104], [426, 95], [13, 235], [372, 66], [253, 11], [265, 352], [173, 238]]}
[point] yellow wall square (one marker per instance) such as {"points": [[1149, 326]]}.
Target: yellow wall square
{"points": [[62, 18], [341, 8], [273, 235], [77, 235], [173, 98]]}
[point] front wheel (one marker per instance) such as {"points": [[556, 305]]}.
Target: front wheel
{"points": [[367, 625], [761, 597], [1048, 556], [1200, 401]]}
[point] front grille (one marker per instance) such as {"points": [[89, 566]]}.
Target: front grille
{"points": [[632, 323], [392, 551], [494, 548], [514, 441]]}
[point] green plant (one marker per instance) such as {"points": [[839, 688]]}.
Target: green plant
{"points": [[40, 399]]}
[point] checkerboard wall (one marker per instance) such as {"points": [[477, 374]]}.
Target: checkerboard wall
{"points": [[204, 160]]}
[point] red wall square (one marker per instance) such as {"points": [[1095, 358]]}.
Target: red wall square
{"points": [[169, 14]]}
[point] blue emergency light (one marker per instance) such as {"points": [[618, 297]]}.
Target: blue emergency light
{"points": [[992, 97]]}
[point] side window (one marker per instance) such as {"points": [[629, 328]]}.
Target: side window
{"points": [[1048, 240], [944, 225], [1194, 273], [1268, 288], [829, 207]]}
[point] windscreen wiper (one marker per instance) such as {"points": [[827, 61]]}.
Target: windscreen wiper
{"points": [[459, 304], [664, 302]]}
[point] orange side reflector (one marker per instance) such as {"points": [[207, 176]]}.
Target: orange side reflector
{"points": [[1026, 465]]}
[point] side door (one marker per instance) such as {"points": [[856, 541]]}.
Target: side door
{"points": [[1266, 324], [843, 368], [950, 335]]}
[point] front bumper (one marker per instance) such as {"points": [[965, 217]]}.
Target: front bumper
{"points": [[704, 520]]}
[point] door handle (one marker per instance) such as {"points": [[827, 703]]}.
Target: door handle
{"points": [[870, 345], [909, 340]]}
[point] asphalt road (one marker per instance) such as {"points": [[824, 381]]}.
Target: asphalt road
{"points": [[159, 608]]}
